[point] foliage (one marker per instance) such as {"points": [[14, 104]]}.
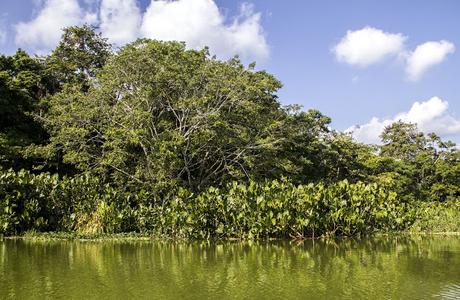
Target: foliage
{"points": [[270, 209], [22, 84], [429, 166], [437, 217], [78, 56], [281, 209], [154, 137], [402, 140], [163, 114]]}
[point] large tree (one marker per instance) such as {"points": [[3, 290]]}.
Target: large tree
{"points": [[163, 114], [23, 84], [431, 166]]}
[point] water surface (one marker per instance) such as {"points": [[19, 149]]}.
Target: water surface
{"points": [[416, 267]]}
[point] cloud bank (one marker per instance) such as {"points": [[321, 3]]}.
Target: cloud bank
{"points": [[368, 46], [199, 23], [430, 116]]}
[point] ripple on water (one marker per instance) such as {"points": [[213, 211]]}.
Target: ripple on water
{"points": [[450, 291]]}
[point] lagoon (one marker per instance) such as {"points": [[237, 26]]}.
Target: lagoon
{"points": [[401, 267]]}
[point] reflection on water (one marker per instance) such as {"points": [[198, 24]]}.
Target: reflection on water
{"points": [[450, 292], [416, 267]]}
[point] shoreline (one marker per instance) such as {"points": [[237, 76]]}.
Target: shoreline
{"points": [[64, 236]]}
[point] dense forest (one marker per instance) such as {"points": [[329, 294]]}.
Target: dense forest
{"points": [[159, 139]]}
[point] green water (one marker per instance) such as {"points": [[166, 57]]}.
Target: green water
{"points": [[417, 267]]}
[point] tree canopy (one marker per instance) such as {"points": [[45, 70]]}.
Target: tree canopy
{"points": [[156, 113]]}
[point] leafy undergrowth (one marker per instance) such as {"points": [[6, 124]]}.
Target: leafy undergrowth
{"points": [[437, 217], [82, 208], [268, 209]]}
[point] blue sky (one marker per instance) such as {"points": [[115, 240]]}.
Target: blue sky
{"points": [[359, 62]]}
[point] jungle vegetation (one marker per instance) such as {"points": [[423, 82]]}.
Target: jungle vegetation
{"points": [[153, 137]]}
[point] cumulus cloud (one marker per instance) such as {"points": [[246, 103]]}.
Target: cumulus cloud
{"points": [[426, 56], [43, 32], [368, 46], [199, 23], [430, 116], [120, 20]]}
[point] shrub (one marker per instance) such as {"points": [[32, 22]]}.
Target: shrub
{"points": [[239, 210]]}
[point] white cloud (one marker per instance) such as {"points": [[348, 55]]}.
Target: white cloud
{"points": [[44, 31], [199, 23], [368, 46], [426, 56], [430, 116], [120, 20], [369, 132]]}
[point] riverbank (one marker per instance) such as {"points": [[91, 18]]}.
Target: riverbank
{"points": [[134, 236], [279, 209]]}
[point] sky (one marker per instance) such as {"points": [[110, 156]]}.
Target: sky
{"points": [[363, 63]]}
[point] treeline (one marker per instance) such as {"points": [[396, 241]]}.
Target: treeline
{"points": [[156, 138]]}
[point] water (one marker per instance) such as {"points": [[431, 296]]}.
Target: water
{"points": [[417, 267]]}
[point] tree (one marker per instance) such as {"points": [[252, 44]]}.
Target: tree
{"points": [[402, 140], [163, 114], [22, 85], [431, 164], [73, 65], [78, 56], [301, 152]]}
